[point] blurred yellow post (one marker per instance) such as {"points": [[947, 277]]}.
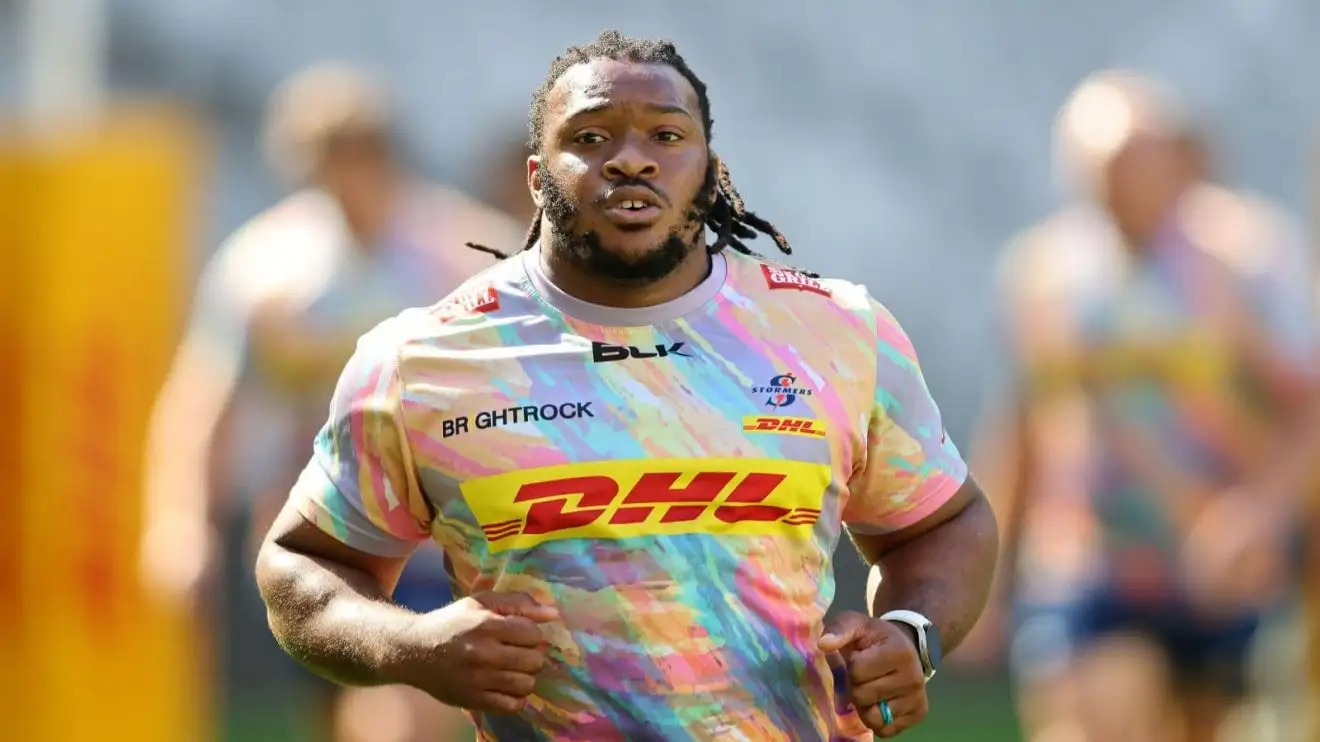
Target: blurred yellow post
{"points": [[12, 300], [95, 225]]}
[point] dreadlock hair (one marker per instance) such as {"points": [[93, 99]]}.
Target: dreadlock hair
{"points": [[728, 216]]}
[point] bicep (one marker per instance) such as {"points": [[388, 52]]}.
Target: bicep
{"points": [[292, 535]]}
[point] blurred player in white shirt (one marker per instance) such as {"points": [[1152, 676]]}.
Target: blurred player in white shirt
{"points": [[277, 314], [1158, 431]]}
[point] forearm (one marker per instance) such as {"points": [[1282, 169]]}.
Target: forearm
{"points": [[186, 439], [945, 573], [333, 619], [1288, 474]]}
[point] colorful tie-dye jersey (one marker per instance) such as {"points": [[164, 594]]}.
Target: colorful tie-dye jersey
{"points": [[1154, 381], [674, 479]]}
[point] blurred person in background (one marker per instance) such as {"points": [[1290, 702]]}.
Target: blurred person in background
{"points": [[278, 312], [1152, 445], [504, 186]]}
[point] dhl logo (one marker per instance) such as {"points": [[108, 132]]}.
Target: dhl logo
{"points": [[622, 499], [784, 425]]}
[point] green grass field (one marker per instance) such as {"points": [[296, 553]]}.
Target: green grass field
{"points": [[962, 710], [968, 710]]}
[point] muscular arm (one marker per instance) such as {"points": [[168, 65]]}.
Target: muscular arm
{"points": [[328, 604], [941, 567]]}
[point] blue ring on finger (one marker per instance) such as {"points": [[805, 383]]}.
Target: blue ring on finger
{"points": [[886, 713]]}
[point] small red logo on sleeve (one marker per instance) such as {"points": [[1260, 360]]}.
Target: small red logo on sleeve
{"points": [[785, 278], [481, 300]]}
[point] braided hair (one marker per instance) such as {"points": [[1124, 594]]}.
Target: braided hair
{"points": [[728, 216]]}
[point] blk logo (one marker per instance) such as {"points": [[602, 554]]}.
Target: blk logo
{"points": [[606, 353]]}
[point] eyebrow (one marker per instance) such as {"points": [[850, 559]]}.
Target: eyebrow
{"points": [[660, 108]]}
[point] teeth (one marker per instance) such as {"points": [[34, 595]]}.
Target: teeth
{"points": [[633, 205]]}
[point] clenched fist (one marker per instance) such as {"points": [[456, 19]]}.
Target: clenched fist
{"points": [[481, 653], [883, 665]]}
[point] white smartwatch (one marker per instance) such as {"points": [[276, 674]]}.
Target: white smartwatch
{"points": [[927, 636]]}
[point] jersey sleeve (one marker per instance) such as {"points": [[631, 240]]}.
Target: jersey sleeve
{"points": [[360, 485], [911, 466]]}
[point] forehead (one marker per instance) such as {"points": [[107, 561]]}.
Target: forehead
{"points": [[603, 84]]}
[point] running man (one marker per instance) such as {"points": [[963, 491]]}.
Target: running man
{"points": [[280, 307], [1159, 431], [639, 452]]}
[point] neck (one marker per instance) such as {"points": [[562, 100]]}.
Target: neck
{"points": [[1139, 238], [573, 280], [1142, 232]]}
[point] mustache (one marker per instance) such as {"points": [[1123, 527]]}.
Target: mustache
{"points": [[631, 182]]}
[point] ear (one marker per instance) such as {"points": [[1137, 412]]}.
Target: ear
{"points": [[534, 178]]}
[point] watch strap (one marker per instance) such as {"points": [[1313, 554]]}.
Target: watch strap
{"points": [[920, 625]]}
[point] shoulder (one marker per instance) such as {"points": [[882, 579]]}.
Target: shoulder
{"points": [[468, 318], [857, 319], [1050, 259], [500, 289], [764, 279], [443, 344], [280, 251], [1242, 231]]}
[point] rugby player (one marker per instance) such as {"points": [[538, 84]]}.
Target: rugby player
{"points": [[638, 451], [1159, 430], [279, 308]]}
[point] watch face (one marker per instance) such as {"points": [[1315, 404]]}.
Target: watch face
{"points": [[933, 648]]}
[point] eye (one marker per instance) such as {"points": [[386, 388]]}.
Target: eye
{"points": [[669, 136], [589, 137]]}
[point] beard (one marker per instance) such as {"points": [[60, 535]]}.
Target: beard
{"points": [[585, 251]]}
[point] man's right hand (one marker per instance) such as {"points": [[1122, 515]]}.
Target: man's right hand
{"points": [[481, 653]]}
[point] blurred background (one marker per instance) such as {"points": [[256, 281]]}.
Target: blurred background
{"points": [[901, 145]]}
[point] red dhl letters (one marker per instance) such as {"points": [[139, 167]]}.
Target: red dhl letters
{"points": [[611, 500], [784, 425], [787, 278]]}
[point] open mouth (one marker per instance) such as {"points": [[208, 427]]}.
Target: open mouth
{"points": [[632, 207], [641, 215]]}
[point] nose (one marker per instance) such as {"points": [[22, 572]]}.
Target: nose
{"points": [[631, 162]]}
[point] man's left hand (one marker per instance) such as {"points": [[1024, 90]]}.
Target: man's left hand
{"points": [[883, 665]]}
